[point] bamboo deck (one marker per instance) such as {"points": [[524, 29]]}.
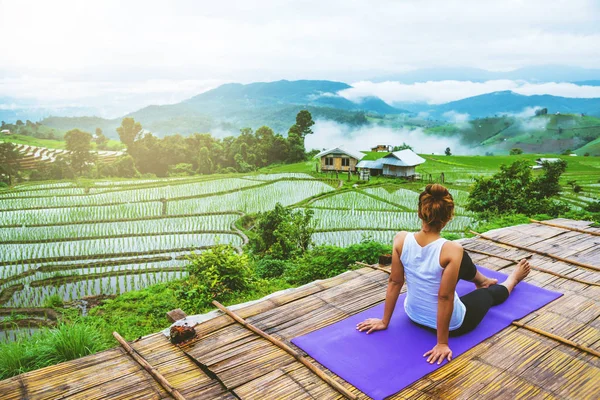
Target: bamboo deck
{"points": [[229, 361]]}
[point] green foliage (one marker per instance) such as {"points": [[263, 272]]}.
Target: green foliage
{"points": [[53, 301], [504, 220], [448, 152], [79, 143], [594, 207], [9, 162], [269, 267], [68, 342], [282, 233], [129, 131], [326, 261], [404, 146], [49, 346], [515, 151], [181, 169], [514, 190], [216, 274]]}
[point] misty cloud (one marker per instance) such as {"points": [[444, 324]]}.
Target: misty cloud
{"points": [[328, 134], [439, 92]]}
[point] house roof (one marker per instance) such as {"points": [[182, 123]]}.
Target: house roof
{"points": [[227, 361], [371, 164], [405, 158], [340, 150]]}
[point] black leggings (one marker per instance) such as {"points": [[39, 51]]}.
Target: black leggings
{"points": [[479, 301]]}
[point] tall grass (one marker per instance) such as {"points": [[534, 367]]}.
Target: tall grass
{"points": [[49, 346]]}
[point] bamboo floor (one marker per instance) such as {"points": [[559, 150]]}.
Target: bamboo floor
{"points": [[229, 361]]}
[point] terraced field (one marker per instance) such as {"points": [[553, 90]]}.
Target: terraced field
{"points": [[76, 240]]}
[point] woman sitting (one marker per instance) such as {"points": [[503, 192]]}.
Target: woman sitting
{"points": [[432, 267]]}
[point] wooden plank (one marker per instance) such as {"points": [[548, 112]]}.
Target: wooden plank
{"points": [[288, 350]]}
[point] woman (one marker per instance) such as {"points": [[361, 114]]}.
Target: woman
{"points": [[432, 266]]}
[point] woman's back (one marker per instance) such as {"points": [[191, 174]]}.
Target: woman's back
{"points": [[423, 274]]}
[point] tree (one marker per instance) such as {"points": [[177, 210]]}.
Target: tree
{"points": [[282, 233], [296, 135], [79, 144], [9, 162], [205, 164], [404, 146], [515, 151], [514, 190], [448, 152], [129, 131], [304, 122], [100, 139]]}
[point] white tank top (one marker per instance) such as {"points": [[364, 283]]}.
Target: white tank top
{"points": [[423, 274]]}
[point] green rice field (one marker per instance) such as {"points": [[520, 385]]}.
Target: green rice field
{"points": [[80, 239]]}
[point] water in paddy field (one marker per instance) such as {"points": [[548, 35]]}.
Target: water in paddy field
{"points": [[109, 285], [11, 335]]}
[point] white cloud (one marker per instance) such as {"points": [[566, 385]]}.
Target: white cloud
{"points": [[439, 92], [328, 134]]}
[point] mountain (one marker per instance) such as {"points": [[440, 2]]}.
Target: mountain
{"points": [[550, 133], [538, 73], [508, 102], [226, 109]]}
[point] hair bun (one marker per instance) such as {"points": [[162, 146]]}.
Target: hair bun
{"points": [[436, 190]]}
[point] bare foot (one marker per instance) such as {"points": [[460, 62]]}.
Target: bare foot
{"points": [[486, 282], [521, 271], [482, 281]]}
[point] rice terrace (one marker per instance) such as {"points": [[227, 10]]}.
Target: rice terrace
{"points": [[300, 200]]}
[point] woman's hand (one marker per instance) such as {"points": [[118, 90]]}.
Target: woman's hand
{"points": [[371, 325], [438, 353]]}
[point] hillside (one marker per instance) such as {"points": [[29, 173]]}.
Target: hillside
{"points": [[544, 133], [229, 107], [507, 102]]}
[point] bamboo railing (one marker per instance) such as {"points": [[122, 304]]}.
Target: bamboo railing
{"points": [[570, 228], [153, 372], [542, 253], [333, 383]]}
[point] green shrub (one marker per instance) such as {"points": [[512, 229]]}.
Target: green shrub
{"points": [[215, 274], [514, 190], [3, 185], [282, 233], [269, 267], [593, 207], [326, 261]]}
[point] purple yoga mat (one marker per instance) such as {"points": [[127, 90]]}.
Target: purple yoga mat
{"points": [[384, 362]]}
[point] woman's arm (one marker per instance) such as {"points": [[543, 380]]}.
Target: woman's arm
{"points": [[395, 283], [446, 304]]}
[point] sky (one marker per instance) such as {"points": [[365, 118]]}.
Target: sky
{"points": [[126, 54]]}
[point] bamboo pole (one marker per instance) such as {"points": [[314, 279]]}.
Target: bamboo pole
{"points": [[153, 372], [565, 227], [536, 330], [543, 253], [558, 338], [547, 271], [336, 385]]}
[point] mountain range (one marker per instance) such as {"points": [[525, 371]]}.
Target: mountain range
{"points": [[227, 108]]}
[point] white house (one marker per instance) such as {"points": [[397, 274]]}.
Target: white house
{"points": [[5, 131], [399, 164]]}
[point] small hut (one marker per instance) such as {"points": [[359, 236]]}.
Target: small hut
{"points": [[339, 159]]}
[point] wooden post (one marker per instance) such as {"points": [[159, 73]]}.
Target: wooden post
{"points": [[547, 271], [153, 372], [566, 227], [543, 253], [336, 385]]}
